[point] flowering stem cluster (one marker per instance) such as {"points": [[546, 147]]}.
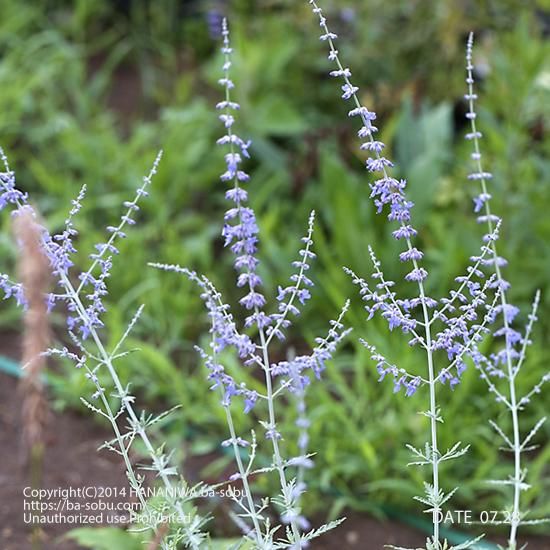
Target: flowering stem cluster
{"points": [[253, 342], [85, 303], [507, 363], [463, 316], [446, 332]]}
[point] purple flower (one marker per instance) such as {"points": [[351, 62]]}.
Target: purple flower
{"points": [[12, 290], [250, 400], [239, 441], [404, 232], [252, 300], [410, 255], [347, 89], [9, 194], [417, 274], [378, 164], [412, 385], [214, 20], [272, 433]]}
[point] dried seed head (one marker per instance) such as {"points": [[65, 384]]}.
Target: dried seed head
{"points": [[34, 272]]}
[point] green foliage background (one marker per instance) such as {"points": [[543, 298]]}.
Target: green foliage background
{"points": [[90, 91]]}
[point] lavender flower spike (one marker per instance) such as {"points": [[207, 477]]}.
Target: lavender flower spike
{"points": [[507, 362], [240, 229]]}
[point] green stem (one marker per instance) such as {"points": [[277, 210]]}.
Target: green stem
{"points": [[244, 477], [276, 452]]}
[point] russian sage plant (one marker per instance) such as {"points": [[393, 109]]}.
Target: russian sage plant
{"points": [[501, 369], [253, 343], [83, 296], [446, 330]]}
